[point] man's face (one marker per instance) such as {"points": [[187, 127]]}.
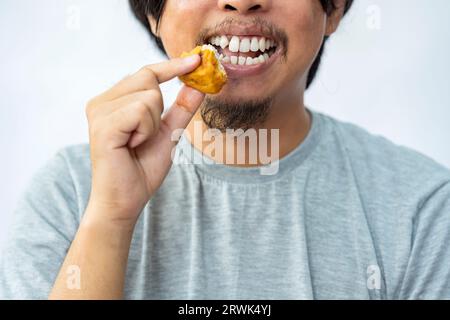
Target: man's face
{"points": [[294, 30]]}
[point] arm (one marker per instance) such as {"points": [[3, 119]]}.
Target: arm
{"points": [[131, 148], [43, 225], [427, 274], [95, 265]]}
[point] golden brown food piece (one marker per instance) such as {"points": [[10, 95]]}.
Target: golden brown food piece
{"points": [[209, 77]]}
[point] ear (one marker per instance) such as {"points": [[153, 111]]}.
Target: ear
{"points": [[153, 24], [335, 17]]}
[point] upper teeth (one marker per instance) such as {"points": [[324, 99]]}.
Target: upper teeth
{"points": [[244, 44]]}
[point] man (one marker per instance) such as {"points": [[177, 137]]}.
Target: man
{"points": [[338, 213]]}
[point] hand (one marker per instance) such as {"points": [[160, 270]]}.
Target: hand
{"points": [[130, 140]]}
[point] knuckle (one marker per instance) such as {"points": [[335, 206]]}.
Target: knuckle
{"points": [[151, 94], [95, 128], [93, 102], [154, 100], [141, 109], [149, 122], [89, 108], [148, 75]]}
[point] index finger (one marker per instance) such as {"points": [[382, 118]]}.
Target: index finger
{"points": [[150, 77], [170, 69]]}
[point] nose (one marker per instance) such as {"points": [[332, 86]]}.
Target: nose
{"points": [[244, 6]]}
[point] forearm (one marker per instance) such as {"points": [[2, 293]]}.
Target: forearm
{"points": [[99, 253], [131, 144]]}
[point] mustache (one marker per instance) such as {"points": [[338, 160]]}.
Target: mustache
{"points": [[267, 28]]}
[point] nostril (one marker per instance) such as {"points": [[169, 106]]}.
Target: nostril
{"points": [[230, 7], [255, 7]]}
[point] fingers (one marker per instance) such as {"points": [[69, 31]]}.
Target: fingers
{"points": [[150, 77], [153, 98], [186, 105], [131, 111], [168, 70], [131, 125], [172, 124], [129, 120], [133, 119]]}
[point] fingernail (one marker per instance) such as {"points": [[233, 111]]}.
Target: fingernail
{"points": [[191, 59]]}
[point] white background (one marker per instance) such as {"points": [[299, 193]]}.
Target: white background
{"points": [[386, 70]]}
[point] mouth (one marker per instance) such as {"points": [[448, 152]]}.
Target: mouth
{"points": [[245, 52]]}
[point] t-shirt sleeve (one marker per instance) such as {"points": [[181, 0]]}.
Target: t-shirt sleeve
{"points": [[44, 224], [428, 271]]}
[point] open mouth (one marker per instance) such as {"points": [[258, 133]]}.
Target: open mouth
{"points": [[243, 50]]}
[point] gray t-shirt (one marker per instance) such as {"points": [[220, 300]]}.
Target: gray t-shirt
{"points": [[348, 215]]}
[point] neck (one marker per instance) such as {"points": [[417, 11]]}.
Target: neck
{"points": [[285, 128]]}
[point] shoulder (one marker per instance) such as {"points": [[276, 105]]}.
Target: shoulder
{"points": [[65, 178], [44, 223], [381, 154], [75, 156], [70, 162], [381, 165], [58, 190], [63, 165]]}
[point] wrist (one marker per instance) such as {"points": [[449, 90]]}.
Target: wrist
{"points": [[106, 219]]}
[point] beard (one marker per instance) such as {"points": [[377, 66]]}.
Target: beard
{"points": [[225, 114]]}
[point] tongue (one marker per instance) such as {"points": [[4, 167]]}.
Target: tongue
{"points": [[228, 53]]}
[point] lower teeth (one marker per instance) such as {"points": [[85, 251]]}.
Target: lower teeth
{"points": [[245, 60]]}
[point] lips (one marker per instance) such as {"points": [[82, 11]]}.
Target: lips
{"points": [[246, 49]]}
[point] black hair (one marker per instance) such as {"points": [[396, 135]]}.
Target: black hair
{"points": [[155, 8]]}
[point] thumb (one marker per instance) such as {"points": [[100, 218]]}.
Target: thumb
{"points": [[186, 105]]}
